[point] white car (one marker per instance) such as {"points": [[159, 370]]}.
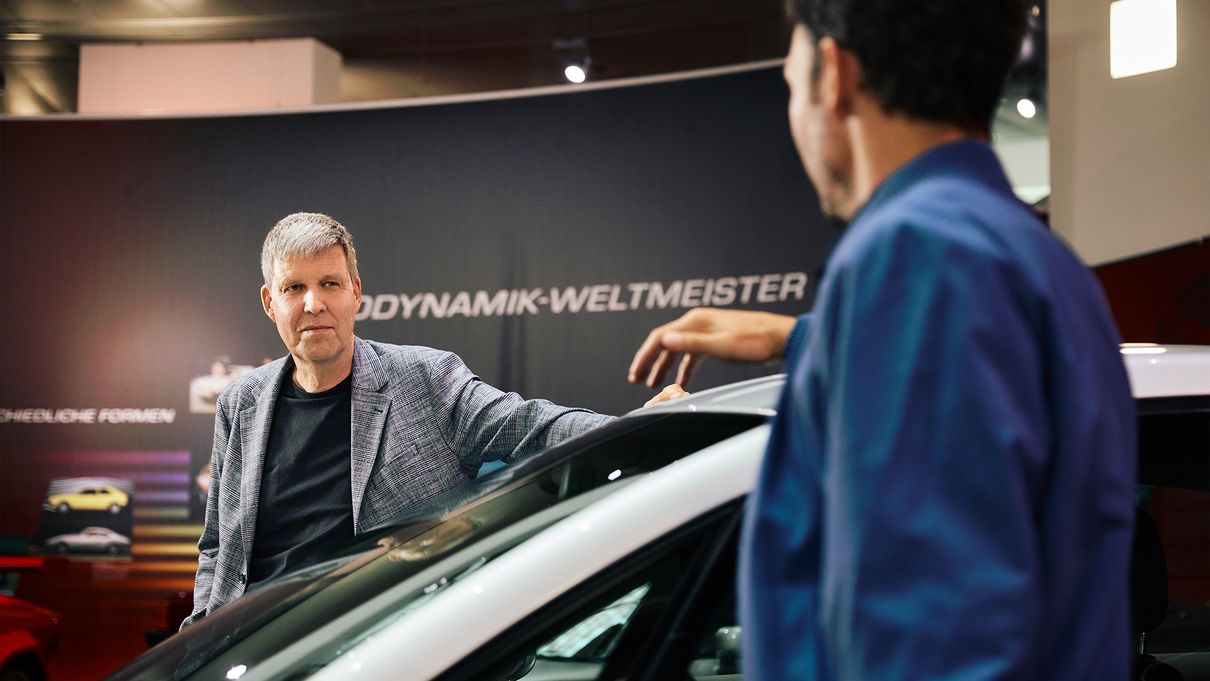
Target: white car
{"points": [[89, 540], [610, 556]]}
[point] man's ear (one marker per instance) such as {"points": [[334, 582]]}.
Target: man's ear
{"points": [[839, 77], [266, 301], [357, 290]]}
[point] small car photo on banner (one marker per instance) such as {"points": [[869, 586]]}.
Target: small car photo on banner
{"points": [[86, 517]]}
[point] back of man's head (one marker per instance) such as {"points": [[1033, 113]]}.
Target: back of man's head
{"points": [[934, 61], [302, 235]]}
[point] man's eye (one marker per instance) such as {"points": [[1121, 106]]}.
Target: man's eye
{"points": [[331, 283], [294, 288]]}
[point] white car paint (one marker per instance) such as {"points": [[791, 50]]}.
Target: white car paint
{"points": [[1167, 370], [755, 396], [474, 610]]}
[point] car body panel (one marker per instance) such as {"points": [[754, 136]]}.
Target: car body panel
{"points": [[524, 579], [26, 629], [754, 396], [1167, 370]]}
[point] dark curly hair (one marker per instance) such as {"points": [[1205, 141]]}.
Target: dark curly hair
{"points": [[935, 61]]}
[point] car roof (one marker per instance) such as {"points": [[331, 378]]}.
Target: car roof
{"points": [[754, 396], [1155, 370]]}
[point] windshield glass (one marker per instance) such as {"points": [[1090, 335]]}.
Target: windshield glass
{"points": [[382, 558]]}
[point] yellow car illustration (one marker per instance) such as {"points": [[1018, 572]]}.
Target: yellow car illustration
{"points": [[99, 498]]}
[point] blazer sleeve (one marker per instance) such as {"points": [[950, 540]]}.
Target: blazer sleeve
{"points": [[208, 543], [481, 423]]}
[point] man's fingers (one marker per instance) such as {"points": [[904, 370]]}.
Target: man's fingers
{"points": [[671, 392], [660, 367], [688, 365], [646, 354]]}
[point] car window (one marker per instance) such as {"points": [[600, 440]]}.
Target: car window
{"points": [[617, 622], [594, 638]]}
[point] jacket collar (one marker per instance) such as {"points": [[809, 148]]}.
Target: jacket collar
{"points": [[370, 410], [368, 373], [970, 158]]}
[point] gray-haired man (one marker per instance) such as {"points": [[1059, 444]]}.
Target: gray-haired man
{"points": [[342, 433]]}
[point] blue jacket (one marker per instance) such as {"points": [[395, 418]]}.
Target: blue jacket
{"points": [[948, 489]]}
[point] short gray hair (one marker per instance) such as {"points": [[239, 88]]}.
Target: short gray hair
{"points": [[304, 235]]}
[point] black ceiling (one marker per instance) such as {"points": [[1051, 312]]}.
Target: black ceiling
{"points": [[405, 48], [397, 48]]}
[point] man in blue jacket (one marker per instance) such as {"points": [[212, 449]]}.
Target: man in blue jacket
{"points": [[947, 492]]}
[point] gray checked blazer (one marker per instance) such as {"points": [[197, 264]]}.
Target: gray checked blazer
{"points": [[422, 424]]}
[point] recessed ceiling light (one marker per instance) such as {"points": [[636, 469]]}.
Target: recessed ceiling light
{"points": [[1142, 36]]}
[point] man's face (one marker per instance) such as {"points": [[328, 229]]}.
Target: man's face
{"points": [[313, 301], [817, 130]]}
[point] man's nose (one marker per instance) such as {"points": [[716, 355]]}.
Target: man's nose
{"points": [[313, 301]]}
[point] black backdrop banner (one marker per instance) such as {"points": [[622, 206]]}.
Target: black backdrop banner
{"points": [[539, 237], [135, 243]]}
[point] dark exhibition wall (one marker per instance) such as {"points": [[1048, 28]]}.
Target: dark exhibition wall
{"points": [[539, 237], [1163, 296]]}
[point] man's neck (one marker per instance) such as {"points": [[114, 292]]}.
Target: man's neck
{"points": [[316, 378], [885, 144]]}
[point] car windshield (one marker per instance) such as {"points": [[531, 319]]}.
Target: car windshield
{"points": [[383, 558]]}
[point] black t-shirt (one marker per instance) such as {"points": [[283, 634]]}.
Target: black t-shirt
{"points": [[306, 504]]}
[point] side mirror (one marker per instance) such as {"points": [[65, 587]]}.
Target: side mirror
{"points": [[523, 667]]}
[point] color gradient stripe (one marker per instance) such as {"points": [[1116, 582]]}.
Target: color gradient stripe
{"points": [[190, 532], [161, 496], [163, 549], [171, 513], [168, 478], [175, 459]]}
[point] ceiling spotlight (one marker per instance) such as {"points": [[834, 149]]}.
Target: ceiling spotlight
{"points": [[575, 58], [575, 73], [1026, 108]]}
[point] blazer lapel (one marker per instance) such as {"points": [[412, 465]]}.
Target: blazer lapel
{"points": [[255, 422], [370, 409]]}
